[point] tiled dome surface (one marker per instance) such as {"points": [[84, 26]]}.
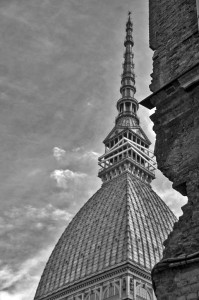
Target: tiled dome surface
{"points": [[124, 221]]}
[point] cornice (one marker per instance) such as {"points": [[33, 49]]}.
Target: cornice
{"points": [[98, 278]]}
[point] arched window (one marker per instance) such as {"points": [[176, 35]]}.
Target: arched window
{"points": [[142, 293], [93, 295], [111, 291]]}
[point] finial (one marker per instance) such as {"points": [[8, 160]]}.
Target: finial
{"points": [[129, 18]]}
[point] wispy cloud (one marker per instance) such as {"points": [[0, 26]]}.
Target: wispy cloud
{"points": [[21, 283], [81, 154], [78, 158], [59, 153], [63, 177], [21, 277]]}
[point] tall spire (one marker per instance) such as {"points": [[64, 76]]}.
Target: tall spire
{"points": [[128, 105], [127, 146], [128, 76]]}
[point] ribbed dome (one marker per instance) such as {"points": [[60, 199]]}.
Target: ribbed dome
{"points": [[127, 121], [125, 221]]}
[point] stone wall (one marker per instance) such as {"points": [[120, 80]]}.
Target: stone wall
{"points": [[183, 283], [174, 37], [176, 123], [175, 85]]}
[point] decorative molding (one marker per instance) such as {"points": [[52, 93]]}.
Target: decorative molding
{"points": [[96, 279]]}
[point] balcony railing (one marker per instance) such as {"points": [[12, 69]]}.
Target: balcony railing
{"points": [[127, 148]]}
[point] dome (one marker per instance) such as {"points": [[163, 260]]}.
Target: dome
{"points": [[125, 221], [127, 121]]}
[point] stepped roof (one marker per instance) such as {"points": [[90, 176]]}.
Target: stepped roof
{"points": [[124, 221]]}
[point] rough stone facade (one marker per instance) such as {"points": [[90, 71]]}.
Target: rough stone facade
{"points": [[174, 36], [176, 123]]}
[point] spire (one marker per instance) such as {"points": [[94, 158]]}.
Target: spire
{"points": [[127, 146], [129, 22], [128, 105]]}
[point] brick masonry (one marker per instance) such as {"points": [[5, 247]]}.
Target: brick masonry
{"points": [[183, 284], [174, 37]]}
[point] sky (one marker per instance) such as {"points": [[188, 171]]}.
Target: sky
{"points": [[60, 67]]}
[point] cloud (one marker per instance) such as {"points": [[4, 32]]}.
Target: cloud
{"points": [[15, 296], [63, 177], [77, 149], [21, 277], [59, 153], [91, 155], [174, 200], [163, 187], [21, 283], [78, 153], [86, 155], [47, 212]]}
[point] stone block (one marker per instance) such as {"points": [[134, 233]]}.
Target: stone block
{"points": [[168, 297], [173, 28], [181, 298], [192, 296], [182, 283], [194, 286]]}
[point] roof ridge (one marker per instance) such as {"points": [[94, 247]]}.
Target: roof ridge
{"points": [[128, 233]]}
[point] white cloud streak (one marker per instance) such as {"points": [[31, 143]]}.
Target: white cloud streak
{"points": [[63, 177], [19, 281], [85, 154], [77, 153], [25, 277], [59, 153]]}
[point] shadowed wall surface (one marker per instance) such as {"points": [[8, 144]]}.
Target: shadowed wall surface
{"points": [[175, 39]]}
